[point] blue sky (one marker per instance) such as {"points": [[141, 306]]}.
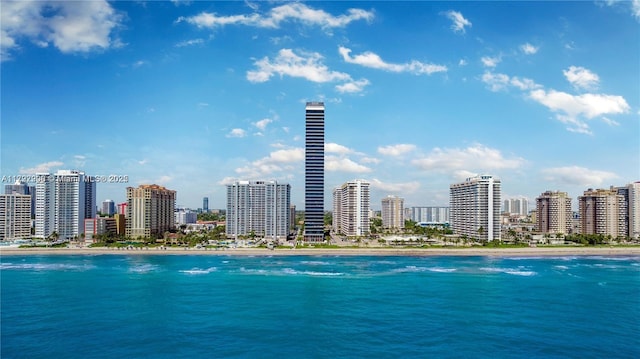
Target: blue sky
{"points": [[418, 95]]}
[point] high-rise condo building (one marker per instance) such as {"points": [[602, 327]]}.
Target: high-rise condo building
{"points": [[63, 201], [517, 206], [429, 215], [205, 204], [23, 188], [15, 216], [393, 212], [553, 212], [351, 204], [314, 172], [258, 207], [108, 207], [603, 212], [149, 211], [475, 208], [634, 209]]}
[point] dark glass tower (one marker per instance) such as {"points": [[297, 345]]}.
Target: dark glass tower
{"points": [[314, 173]]}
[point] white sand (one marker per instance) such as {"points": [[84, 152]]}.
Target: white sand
{"points": [[474, 251]]}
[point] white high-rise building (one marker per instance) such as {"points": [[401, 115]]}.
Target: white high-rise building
{"points": [[63, 201], [429, 215], [553, 212], [634, 209], [475, 208], [516, 206], [351, 204], [258, 207], [393, 212], [15, 216]]}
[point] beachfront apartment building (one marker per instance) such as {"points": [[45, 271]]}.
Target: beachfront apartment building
{"points": [[15, 216], [314, 172], [429, 215], [634, 209], [553, 212], [63, 201], [516, 206], [351, 203], [475, 207], [20, 187], [603, 211], [149, 211], [393, 212], [260, 208]]}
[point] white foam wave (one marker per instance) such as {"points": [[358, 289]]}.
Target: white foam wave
{"points": [[199, 271], [561, 267], [46, 267], [143, 268], [520, 272], [315, 263]]}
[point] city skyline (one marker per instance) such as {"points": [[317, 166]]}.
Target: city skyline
{"points": [[195, 95]]}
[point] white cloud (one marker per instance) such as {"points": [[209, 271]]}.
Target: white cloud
{"points": [[163, 180], [462, 62], [139, 63], [477, 157], [280, 14], [578, 176], [610, 122], [343, 164], [237, 132], [352, 87], [336, 148], [407, 187], [190, 42], [277, 161], [370, 160], [587, 105], [308, 66], [497, 82], [459, 22], [581, 78], [488, 61], [570, 109], [528, 49], [41, 168], [372, 60], [262, 124], [396, 150], [70, 26]]}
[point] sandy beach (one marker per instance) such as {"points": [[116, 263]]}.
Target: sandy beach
{"points": [[474, 251]]}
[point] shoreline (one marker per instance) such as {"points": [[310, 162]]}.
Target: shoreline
{"points": [[423, 252]]}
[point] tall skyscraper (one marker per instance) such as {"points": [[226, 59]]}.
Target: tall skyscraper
{"points": [[149, 211], [108, 207], [603, 212], [553, 212], [314, 172], [351, 204], [258, 207], [634, 209], [393, 212], [15, 216], [63, 201], [475, 208], [205, 204]]}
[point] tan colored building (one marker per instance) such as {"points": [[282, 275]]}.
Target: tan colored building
{"points": [[150, 211], [393, 212], [603, 212], [15, 216], [553, 212]]}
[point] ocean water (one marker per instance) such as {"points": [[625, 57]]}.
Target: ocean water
{"points": [[112, 306]]}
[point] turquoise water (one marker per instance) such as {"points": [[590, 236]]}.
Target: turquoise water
{"points": [[141, 306]]}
